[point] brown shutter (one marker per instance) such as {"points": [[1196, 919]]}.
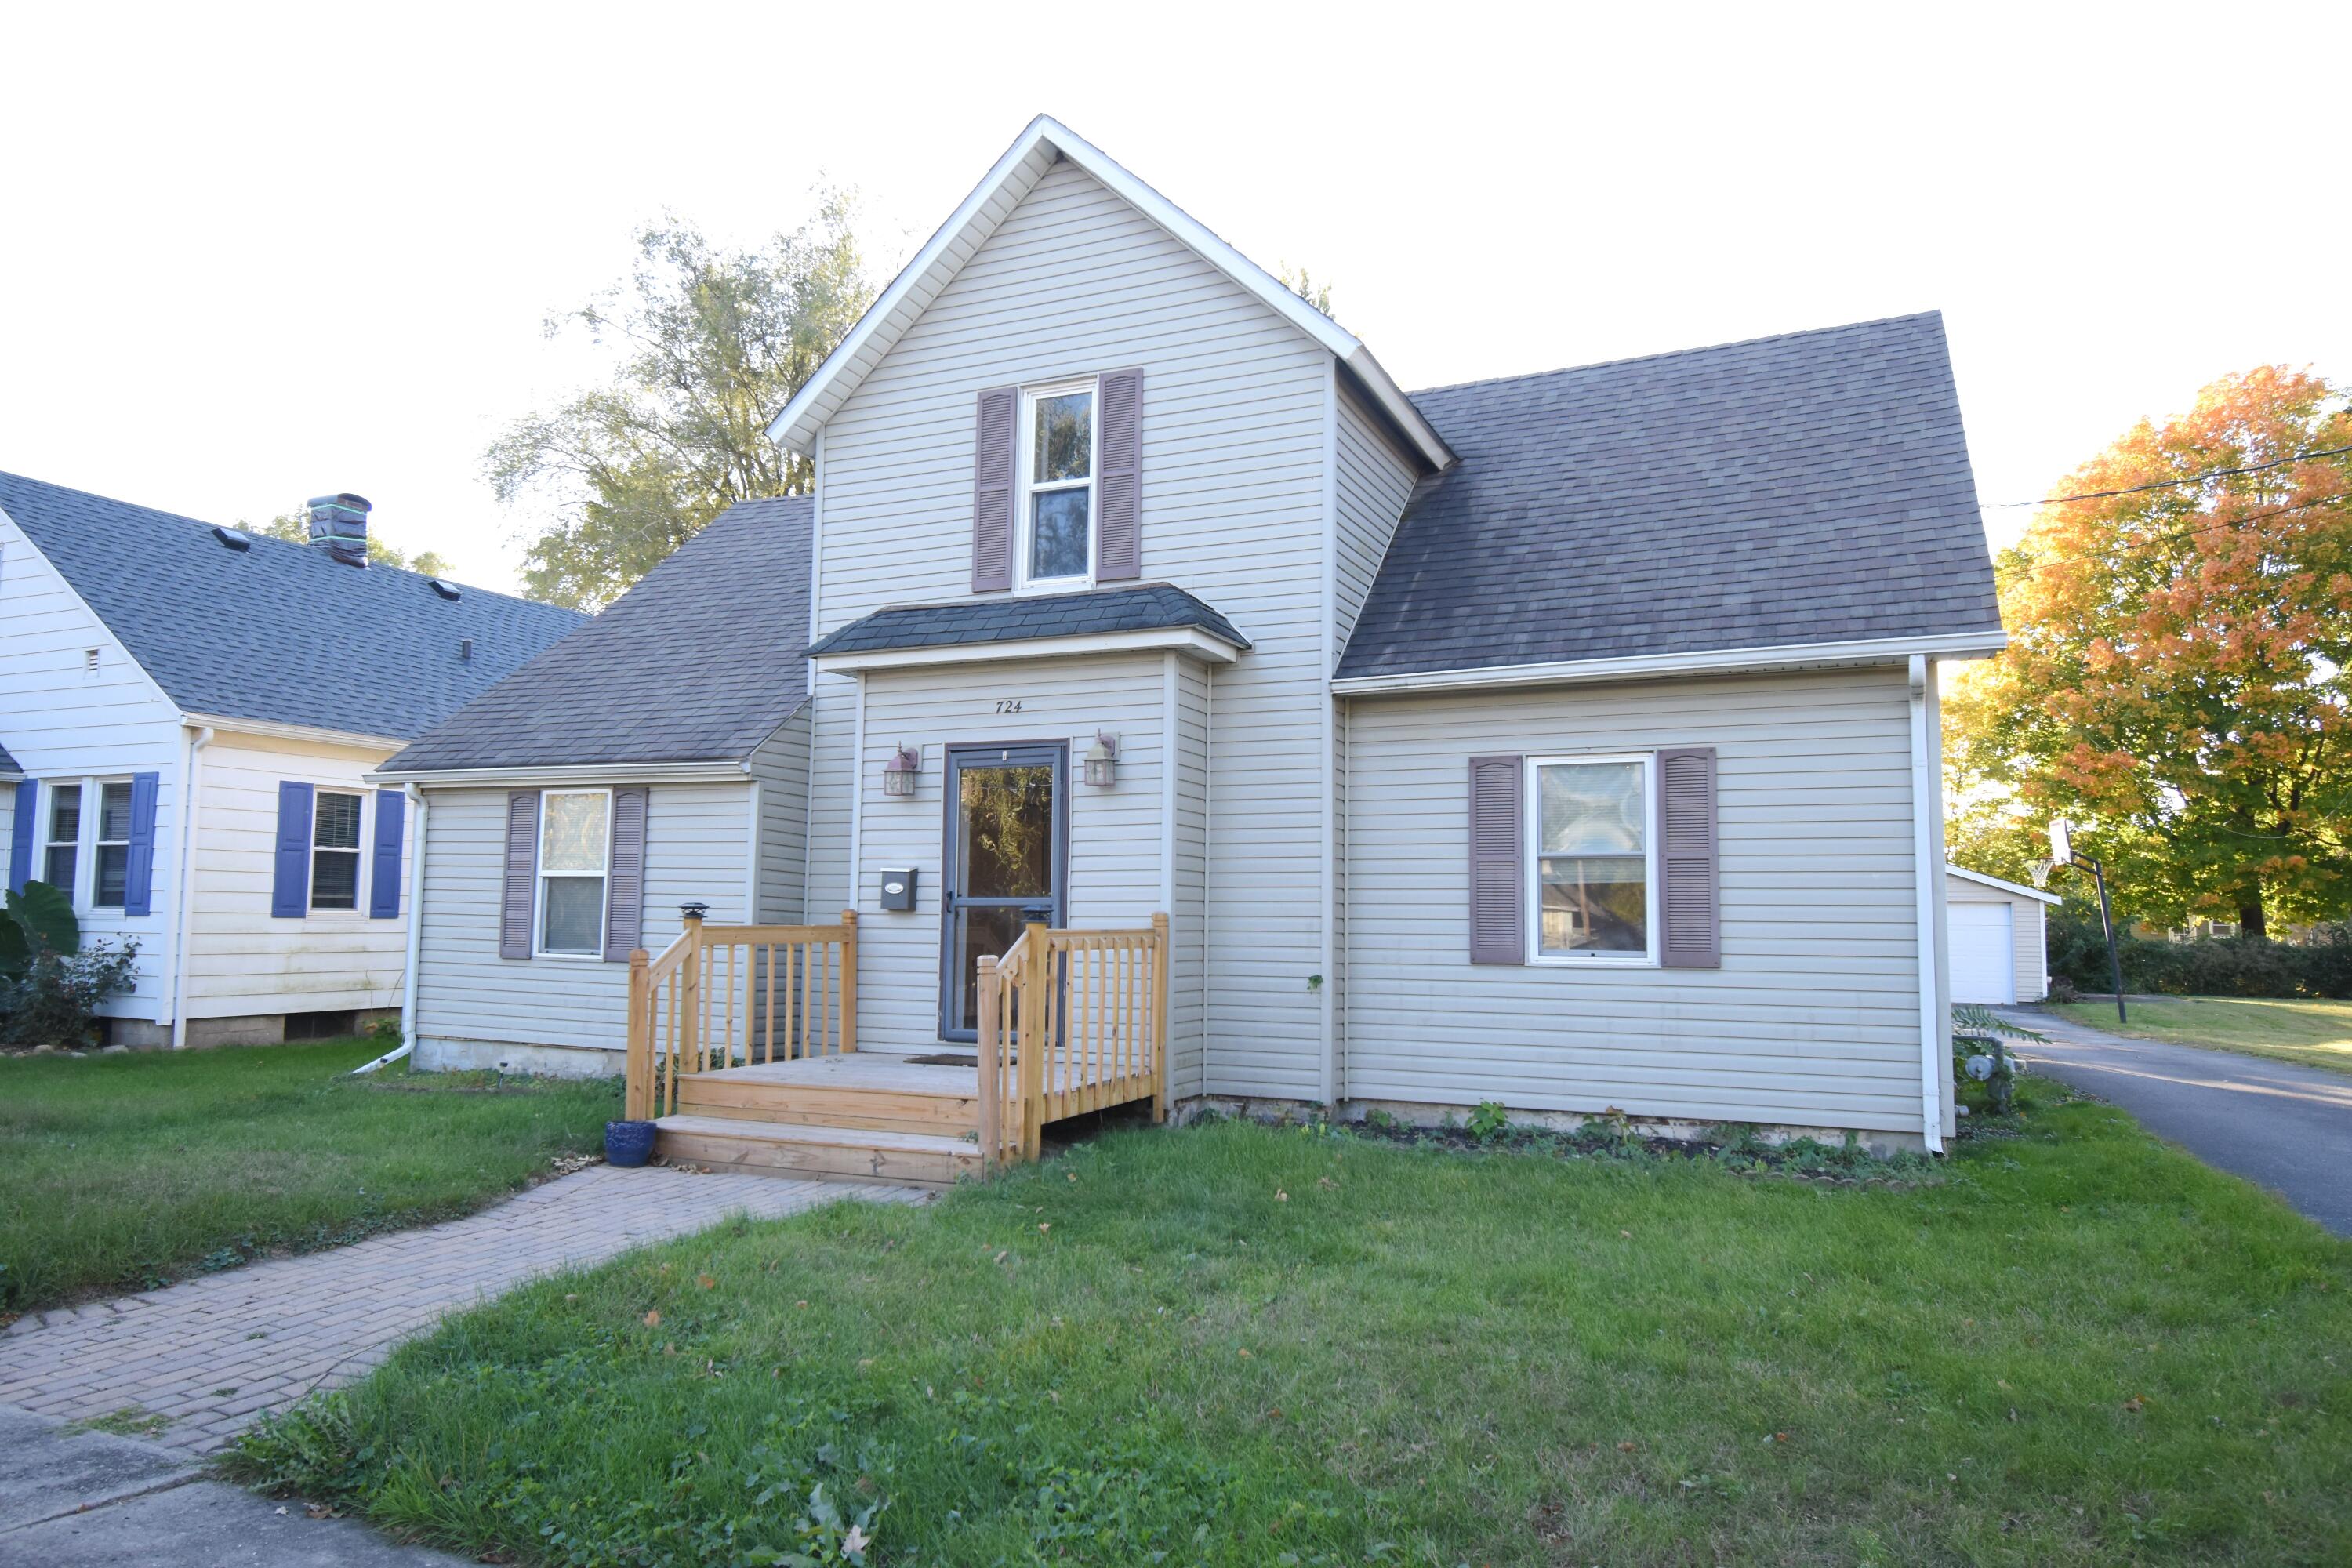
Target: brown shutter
{"points": [[520, 895], [624, 877], [1687, 860], [1498, 890], [1118, 551], [991, 491]]}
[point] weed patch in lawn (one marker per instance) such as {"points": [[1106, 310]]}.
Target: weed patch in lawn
{"points": [[125, 1172], [1232, 1344]]}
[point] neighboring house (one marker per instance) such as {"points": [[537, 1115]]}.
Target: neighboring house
{"points": [[140, 650], [1999, 938], [657, 757], [1568, 741]]}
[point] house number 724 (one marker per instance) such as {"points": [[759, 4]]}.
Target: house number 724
{"points": [[1008, 705]]}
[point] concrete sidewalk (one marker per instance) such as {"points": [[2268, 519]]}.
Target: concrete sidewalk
{"points": [[2280, 1125], [74, 1498], [211, 1355]]}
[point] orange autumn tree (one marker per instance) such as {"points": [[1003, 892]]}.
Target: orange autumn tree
{"points": [[2175, 677]]}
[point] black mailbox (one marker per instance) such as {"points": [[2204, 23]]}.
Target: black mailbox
{"points": [[899, 887]]}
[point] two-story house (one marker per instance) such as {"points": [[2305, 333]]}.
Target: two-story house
{"points": [[1567, 741]]}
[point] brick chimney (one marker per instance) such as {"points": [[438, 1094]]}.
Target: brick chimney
{"points": [[339, 526]]}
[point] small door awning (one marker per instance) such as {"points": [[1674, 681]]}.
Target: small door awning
{"points": [[1034, 625]]}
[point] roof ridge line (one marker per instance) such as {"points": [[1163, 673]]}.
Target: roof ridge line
{"points": [[1677, 353]]}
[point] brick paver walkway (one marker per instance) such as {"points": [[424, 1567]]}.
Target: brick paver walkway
{"points": [[211, 1354]]}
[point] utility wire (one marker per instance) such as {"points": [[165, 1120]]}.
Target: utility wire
{"points": [[2172, 484], [2177, 534]]}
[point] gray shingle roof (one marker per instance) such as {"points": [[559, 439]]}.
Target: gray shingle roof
{"points": [[1809, 487], [700, 661], [1150, 607], [9, 768], [276, 632]]}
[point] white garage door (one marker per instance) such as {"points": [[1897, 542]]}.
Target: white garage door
{"points": [[1984, 963]]}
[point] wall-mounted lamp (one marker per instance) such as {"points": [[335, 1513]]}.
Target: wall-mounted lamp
{"points": [[1102, 761], [898, 773]]}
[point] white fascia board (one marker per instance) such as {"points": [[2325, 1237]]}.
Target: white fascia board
{"points": [[723, 770], [2005, 886], [272, 728], [1187, 640], [976, 217], [1711, 661]]}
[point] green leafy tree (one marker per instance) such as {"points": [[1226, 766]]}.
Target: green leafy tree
{"points": [[2175, 681], [711, 343], [294, 527], [1299, 282]]}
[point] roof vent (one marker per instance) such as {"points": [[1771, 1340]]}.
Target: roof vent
{"points": [[232, 538], [464, 650], [446, 590], [339, 525]]}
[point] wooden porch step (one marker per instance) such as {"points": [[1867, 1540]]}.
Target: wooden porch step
{"points": [[878, 1093], [820, 1153]]}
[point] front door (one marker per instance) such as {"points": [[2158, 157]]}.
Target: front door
{"points": [[1007, 842]]}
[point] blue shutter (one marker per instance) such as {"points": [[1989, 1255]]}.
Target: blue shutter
{"points": [[139, 864], [290, 898], [20, 833], [383, 892]]}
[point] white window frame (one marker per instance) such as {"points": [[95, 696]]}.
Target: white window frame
{"points": [[1531, 835], [1025, 486], [541, 876], [46, 804], [359, 857], [93, 800]]}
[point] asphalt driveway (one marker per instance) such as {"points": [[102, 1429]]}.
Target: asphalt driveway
{"points": [[2281, 1126]]}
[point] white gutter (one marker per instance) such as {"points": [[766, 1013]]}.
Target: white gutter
{"points": [[271, 727], [1926, 869], [1711, 661], [199, 737], [718, 770], [418, 809]]}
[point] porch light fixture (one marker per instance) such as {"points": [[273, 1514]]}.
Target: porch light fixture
{"points": [[898, 773], [1102, 761], [693, 910]]}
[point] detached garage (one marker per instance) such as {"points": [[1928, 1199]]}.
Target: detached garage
{"points": [[1999, 951]]}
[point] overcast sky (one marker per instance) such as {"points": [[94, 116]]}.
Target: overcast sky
{"points": [[253, 256]]}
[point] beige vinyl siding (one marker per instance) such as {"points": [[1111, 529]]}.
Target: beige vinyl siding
{"points": [[1813, 1018], [66, 723], [781, 766], [1233, 499], [2028, 932], [1187, 981], [243, 961], [1373, 482], [1114, 870], [697, 847]]}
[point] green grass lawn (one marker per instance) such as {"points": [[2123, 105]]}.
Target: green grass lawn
{"points": [[1236, 1345], [119, 1173], [2316, 1033]]}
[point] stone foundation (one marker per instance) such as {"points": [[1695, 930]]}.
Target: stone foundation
{"points": [[438, 1053], [1416, 1113]]}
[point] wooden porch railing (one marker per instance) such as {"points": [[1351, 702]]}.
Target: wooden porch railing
{"points": [[729, 995], [1070, 1021]]}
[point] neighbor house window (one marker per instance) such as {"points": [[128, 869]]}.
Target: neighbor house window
{"points": [[574, 826], [65, 838], [335, 851], [1057, 483], [1590, 823], [113, 870]]}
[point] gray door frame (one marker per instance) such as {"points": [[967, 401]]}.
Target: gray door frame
{"points": [[998, 753]]}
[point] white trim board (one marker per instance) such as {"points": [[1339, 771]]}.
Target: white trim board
{"points": [[1187, 640], [1980, 879], [276, 729], [1706, 661], [1043, 142], [723, 771]]}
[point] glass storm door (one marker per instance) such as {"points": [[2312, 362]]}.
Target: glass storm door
{"points": [[1006, 842]]}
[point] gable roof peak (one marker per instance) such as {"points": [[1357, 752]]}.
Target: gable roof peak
{"points": [[1044, 142]]}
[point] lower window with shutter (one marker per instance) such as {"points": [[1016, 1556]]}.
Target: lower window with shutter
{"points": [[1591, 834], [575, 828]]}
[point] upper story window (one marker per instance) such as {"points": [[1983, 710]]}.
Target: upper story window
{"points": [[335, 851], [64, 855], [1589, 822], [114, 860], [575, 829], [1058, 462]]}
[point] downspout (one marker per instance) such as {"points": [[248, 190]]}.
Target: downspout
{"points": [[417, 810], [199, 739], [1923, 874]]}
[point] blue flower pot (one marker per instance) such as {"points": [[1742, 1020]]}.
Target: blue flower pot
{"points": [[628, 1142]]}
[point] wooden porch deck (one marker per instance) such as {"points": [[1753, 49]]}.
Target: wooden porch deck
{"points": [[742, 1051]]}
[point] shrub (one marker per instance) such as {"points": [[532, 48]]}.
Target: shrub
{"points": [[2209, 966], [50, 985]]}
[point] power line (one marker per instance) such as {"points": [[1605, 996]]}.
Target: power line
{"points": [[2177, 534], [2172, 484]]}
